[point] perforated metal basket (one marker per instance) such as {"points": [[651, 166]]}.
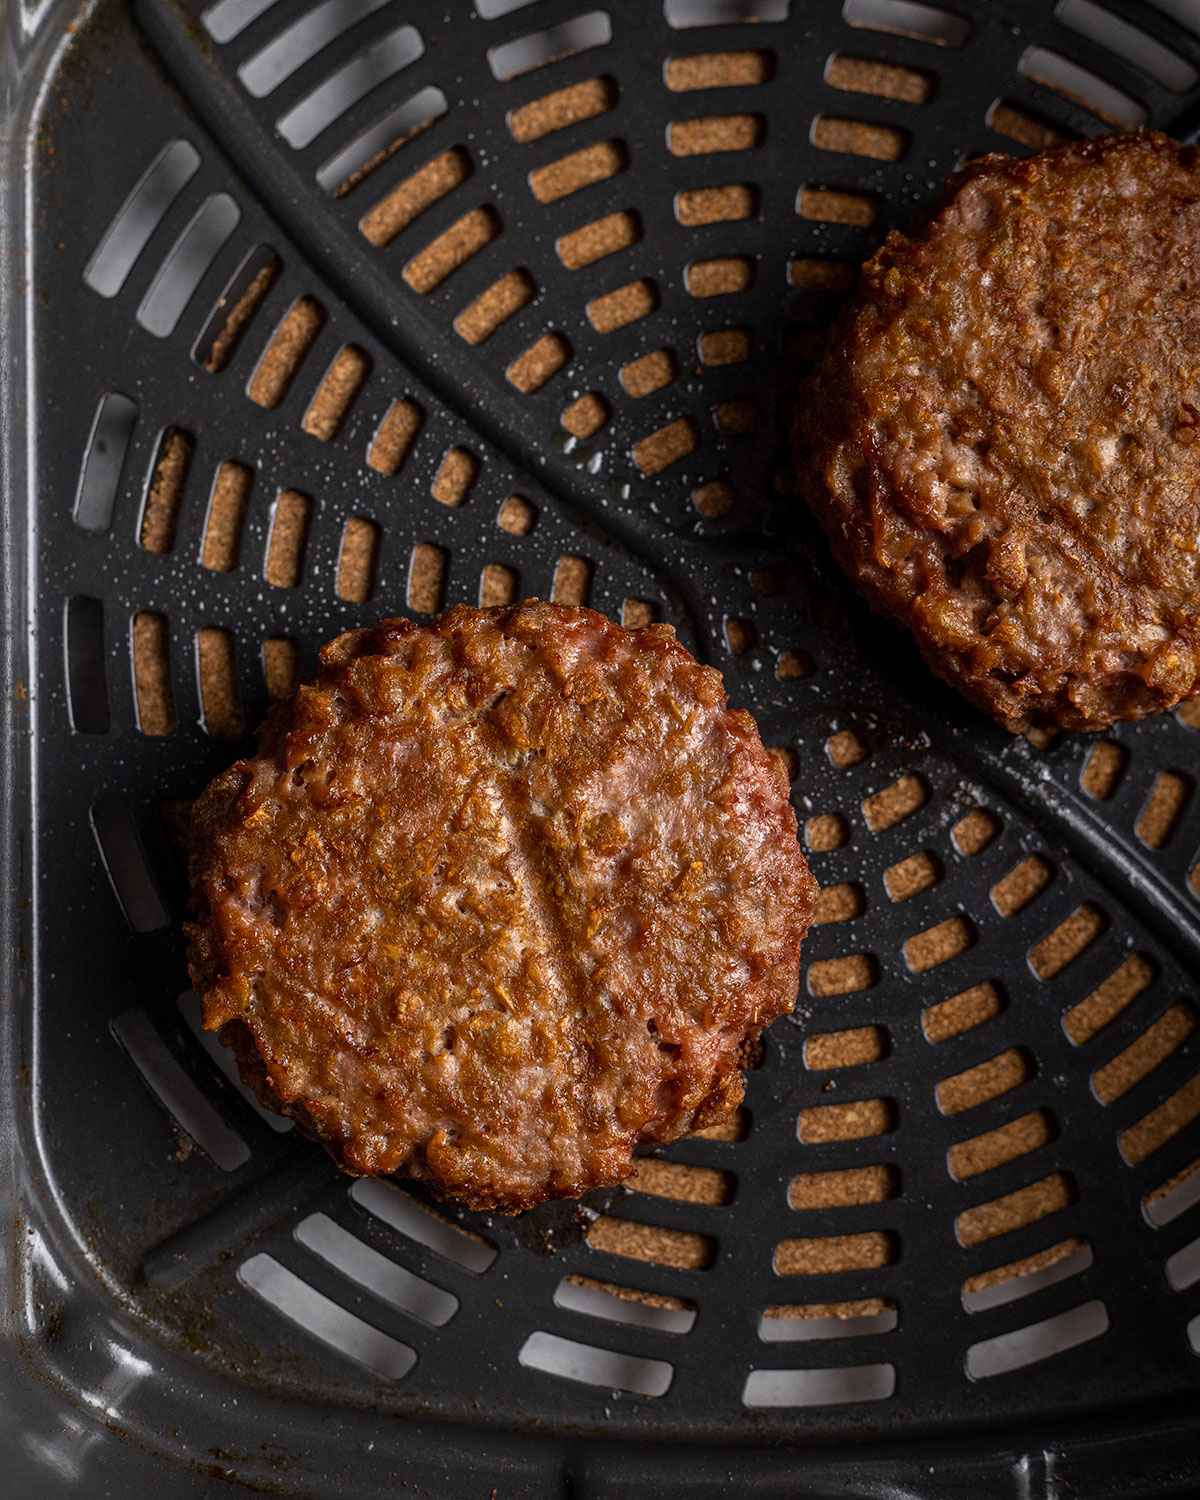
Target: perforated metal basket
{"points": [[318, 312]]}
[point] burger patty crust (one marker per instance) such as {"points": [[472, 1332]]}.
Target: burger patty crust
{"points": [[1003, 442], [499, 898]]}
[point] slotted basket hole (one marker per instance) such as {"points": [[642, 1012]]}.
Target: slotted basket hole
{"points": [[1139, 1059], [1024, 126], [717, 70], [400, 1211], [714, 500], [1096, 22], [164, 494], [740, 635], [1006, 1352], [913, 876], [367, 1269], [652, 372], [731, 204], [293, 46], [1164, 1204], [394, 212], [622, 1304], [341, 90], [822, 273], [1013, 892], [123, 855], [497, 585], [1163, 808], [566, 106], [891, 805], [530, 371], [680, 1249], [426, 587], [455, 477], [837, 1385], [1161, 1124], [1079, 85], [589, 1365], [972, 834], [845, 749], [358, 559], [228, 503], [598, 240], [1103, 769], [994, 1148], [1069, 939], [572, 580], [321, 1318], [734, 1128], [340, 385], [516, 516], [104, 461], [1018, 1279], [826, 205], [290, 519], [580, 169], [839, 903], [342, 172], [186, 264], [682, 14], [857, 1120], [149, 643], [683, 1183], [828, 1255], [710, 134], [858, 138], [393, 439], [636, 614], [506, 297], [847, 1187], [452, 249], [175, 1091], [725, 346], [804, 1322], [908, 18], [539, 48], [793, 666], [825, 832], [1106, 1002], [1188, 713], [219, 705], [722, 276], [627, 304], [1015, 1210], [854, 1048], [985, 1081], [860, 75], [666, 446], [962, 1012], [236, 308], [585, 416], [286, 351], [139, 216], [280, 667], [735, 418], [828, 977], [939, 944]]}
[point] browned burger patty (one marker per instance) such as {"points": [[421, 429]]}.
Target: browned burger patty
{"points": [[499, 898], [1003, 443]]}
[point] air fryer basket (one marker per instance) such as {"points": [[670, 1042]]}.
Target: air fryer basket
{"points": [[314, 312]]}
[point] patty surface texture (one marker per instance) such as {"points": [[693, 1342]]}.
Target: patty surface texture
{"points": [[1002, 441], [499, 898]]}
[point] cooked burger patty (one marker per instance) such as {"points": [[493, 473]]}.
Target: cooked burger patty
{"points": [[1003, 441], [499, 898]]}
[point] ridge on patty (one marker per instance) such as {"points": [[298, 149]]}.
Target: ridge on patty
{"points": [[1003, 439], [499, 898]]}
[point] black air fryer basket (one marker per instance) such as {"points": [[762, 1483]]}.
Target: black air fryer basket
{"points": [[316, 312]]}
